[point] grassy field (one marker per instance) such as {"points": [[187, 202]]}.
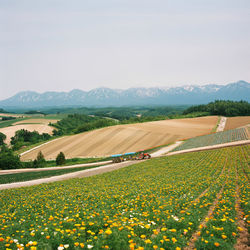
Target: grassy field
{"points": [[10, 178], [214, 139], [157, 204]]}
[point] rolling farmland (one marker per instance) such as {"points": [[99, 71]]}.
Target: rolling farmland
{"points": [[125, 138], [162, 203]]}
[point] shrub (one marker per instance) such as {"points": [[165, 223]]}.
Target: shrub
{"points": [[60, 159], [8, 160], [2, 138], [39, 162]]}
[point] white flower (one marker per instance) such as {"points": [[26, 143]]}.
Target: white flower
{"points": [[66, 246], [42, 233], [30, 242], [60, 248], [15, 241], [90, 246], [175, 217]]}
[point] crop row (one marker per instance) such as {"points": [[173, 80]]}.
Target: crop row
{"points": [[157, 204], [214, 139]]}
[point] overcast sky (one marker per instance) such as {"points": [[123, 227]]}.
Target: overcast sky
{"points": [[60, 45]]}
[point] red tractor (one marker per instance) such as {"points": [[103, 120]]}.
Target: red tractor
{"points": [[143, 155]]}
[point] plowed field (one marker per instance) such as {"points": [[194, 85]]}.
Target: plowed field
{"points": [[39, 125], [125, 138], [236, 122]]}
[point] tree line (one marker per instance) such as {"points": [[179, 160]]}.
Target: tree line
{"points": [[222, 107]]}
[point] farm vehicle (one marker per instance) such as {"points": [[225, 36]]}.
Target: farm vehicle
{"points": [[130, 156]]}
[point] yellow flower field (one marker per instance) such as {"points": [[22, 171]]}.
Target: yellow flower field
{"points": [[157, 204]]}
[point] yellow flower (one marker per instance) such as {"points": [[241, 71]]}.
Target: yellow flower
{"points": [[143, 236], [217, 244], [108, 232], [76, 244], [172, 230], [174, 240], [223, 236]]}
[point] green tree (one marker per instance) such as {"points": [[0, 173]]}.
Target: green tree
{"points": [[8, 160], [2, 138], [39, 162], [60, 159]]}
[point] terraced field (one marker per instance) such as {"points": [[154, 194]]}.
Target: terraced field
{"points": [[162, 203], [214, 139], [125, 138]]}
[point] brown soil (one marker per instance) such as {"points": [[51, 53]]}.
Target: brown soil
{"points": [[10, 131], [126, 138], [236, 122]]}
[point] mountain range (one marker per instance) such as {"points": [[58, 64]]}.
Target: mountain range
{"points": [[100, 97]]}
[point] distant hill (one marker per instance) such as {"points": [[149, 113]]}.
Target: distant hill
{"points": [[190, 94]]}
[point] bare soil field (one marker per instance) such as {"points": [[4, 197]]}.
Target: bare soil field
{"points": [[236, 122], [36, 121], [12, 115], [125, 138], [10, 131]]}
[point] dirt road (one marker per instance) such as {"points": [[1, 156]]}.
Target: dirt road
{"points": [[79, 174], [25, 170], [165, 150], [222, 124], [229, 144]]}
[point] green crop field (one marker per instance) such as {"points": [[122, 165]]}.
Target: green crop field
{"points": [[238, 134], [157, 204]]}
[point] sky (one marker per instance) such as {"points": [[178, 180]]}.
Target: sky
{"points": [[60, 45]]}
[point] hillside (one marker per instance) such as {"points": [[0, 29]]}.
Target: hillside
{"points": [[125, 138]]}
